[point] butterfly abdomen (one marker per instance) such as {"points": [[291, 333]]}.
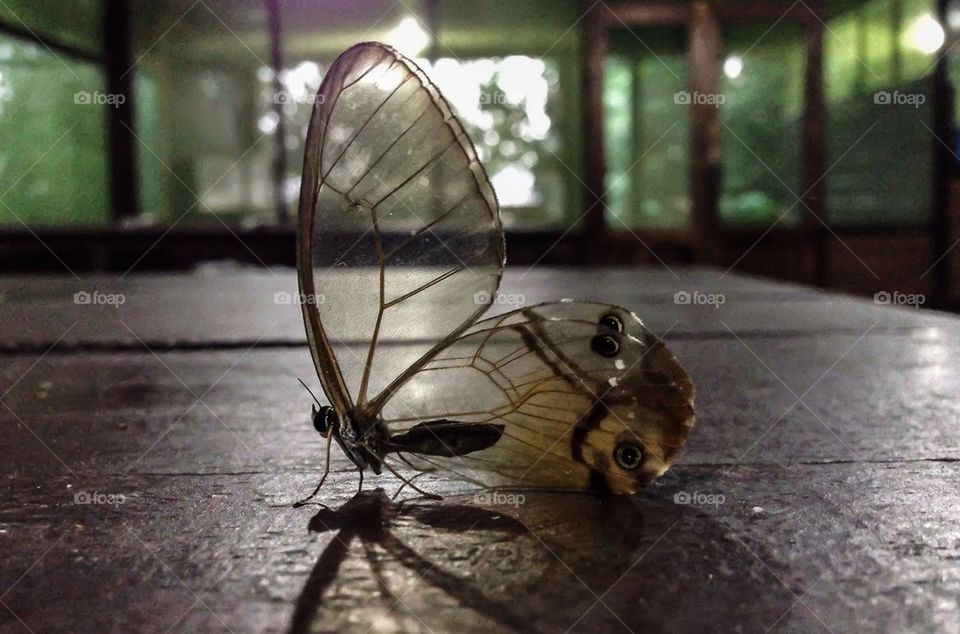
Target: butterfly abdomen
{"points": [[447, 438]]}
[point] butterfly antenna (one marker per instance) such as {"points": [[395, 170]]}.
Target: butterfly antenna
{"points": [[310, 391]]}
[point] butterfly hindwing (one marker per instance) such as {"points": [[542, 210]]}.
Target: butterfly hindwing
{"points": [[577, 387]]}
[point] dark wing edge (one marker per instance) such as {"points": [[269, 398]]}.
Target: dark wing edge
{"points": [[324, 358]]}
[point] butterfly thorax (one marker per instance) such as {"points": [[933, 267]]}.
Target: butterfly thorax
{"points": [[363, 444]]}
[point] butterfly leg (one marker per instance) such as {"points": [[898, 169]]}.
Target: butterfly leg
{"points": [[326, 472], [415, 467], [360, 486], [410, 483]]}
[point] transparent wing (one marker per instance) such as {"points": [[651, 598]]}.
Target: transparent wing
{"points": [[399, 234], [572, 384]]}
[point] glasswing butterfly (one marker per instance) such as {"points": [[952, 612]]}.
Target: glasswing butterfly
{"points": [[400, 240]]}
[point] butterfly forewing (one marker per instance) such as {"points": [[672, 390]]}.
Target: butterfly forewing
{"points": [[400, 235], [571, 384]]}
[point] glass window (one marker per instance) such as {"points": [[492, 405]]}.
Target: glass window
{"points": [[505, 104], [78, 23], [205, 150], [299, 89], [761, 89], [646, 129], [53, 151], [880, 140], [879, 42], [844, 65], [513, 95]]}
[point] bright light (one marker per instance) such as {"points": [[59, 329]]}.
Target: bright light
{"points": [[302, 80], [733, 66], [953, 17], [515, 187], [268, 123], [408, 37], [926, 35], [480, 91]]}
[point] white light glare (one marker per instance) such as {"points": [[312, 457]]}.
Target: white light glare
{"points": [[408, 37], [926, 35], [733, 66], [953, 17]]}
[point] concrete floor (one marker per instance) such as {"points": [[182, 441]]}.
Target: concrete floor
{"points": [[823, 475]]}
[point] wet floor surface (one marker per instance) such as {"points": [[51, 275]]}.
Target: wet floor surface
{"points": [[152, 450]]}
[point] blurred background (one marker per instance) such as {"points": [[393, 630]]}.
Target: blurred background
{"points": [[809, 141]]}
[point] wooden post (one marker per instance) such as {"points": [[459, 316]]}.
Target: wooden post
{"points": [[942, 106], [433, 28], [275, 34], [635, 177], [124, 197], [593, 52], [704, 130], [814, 151], [860, 79], [896, 57]]}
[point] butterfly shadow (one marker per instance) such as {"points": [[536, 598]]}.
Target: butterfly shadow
{"points": [[369, 518], [551, 562]]}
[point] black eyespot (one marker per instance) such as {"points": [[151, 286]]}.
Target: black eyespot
{"points": [[612, 322], [628, 456], [605, 345]]}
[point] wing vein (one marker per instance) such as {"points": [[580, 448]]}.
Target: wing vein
{"points": [[424, 287]]}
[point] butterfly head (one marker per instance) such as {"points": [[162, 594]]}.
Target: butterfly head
{"points": [[323, 419], [363, 449]]}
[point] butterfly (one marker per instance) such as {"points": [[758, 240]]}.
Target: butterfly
{"points": [[400, 240]]}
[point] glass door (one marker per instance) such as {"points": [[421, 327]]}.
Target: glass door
{"points": [[647, 127]]}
